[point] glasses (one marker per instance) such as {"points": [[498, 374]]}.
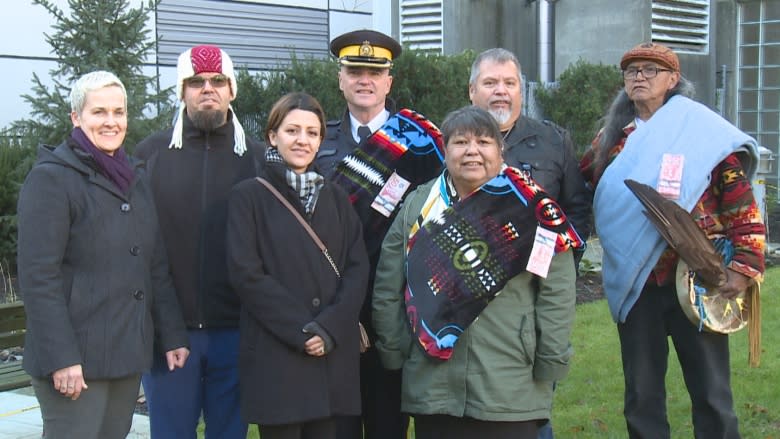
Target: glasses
{"points": [[217, 81], [647, 72]]}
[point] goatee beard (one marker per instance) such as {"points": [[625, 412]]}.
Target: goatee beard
{"points": [[208, 120], [501, 116]]}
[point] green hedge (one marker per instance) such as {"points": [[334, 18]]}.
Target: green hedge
{"points": [[430, 84], [580, 100], [433, 85]]}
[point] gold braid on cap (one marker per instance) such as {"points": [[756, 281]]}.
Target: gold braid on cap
{"points": [[366, 50]]}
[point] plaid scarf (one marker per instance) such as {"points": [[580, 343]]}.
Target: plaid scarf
{"points": [[307, 185]]}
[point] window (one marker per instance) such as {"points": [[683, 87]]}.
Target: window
{"points": [[758, 82]]}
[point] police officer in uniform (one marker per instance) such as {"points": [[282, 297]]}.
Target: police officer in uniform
{"points": [[365, 58]]}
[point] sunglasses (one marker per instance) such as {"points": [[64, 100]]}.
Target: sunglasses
{"points": [[217, 81]]}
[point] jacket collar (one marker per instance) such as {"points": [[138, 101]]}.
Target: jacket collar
{"points": [[67, 154], [520, 131], [346, 125]]}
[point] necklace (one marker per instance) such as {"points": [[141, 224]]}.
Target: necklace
{"points": [[508, 131]]}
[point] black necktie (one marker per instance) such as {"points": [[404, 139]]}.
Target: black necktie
{"points": [[364, 133]]}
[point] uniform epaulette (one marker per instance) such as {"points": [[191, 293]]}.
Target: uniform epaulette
{"points": [[332, 123]]}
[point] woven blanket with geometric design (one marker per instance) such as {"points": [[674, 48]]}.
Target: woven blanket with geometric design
{"points": [[459, 262], [408, 145]]}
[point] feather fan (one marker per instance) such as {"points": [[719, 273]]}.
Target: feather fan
{"points": [[682, 233]]}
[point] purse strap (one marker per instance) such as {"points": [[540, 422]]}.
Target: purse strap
{"points": [[302, 221]]}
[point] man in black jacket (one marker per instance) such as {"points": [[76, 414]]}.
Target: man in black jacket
{"points": [[542, 149], [192, 167], [365, 58]]}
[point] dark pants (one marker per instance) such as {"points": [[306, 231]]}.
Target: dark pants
{"points": [[320, 429], [380, 391], [103, 411], [451, 427], [208, 382], [546, 431], [703, 356]]}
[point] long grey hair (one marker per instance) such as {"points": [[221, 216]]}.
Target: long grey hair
{"points": [[621, 112]]}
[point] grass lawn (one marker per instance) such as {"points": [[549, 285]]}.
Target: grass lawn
{"points": [[589, 403]]}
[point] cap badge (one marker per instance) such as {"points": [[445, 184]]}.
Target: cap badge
{"points": [[366, 49]]}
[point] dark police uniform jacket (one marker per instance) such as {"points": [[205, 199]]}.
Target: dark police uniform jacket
{"points": [[338, 142]]}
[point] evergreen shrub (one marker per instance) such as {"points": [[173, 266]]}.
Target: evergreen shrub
{"points": [[16, 159], [430, 84], [580, 100]]}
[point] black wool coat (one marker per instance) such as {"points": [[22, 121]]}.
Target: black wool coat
{"points": [[93, 272], [285, 282]]}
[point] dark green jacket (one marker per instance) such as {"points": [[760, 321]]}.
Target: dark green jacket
{"points": [[503, 365]]}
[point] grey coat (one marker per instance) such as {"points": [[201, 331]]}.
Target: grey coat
{"points": [[92, 271]]}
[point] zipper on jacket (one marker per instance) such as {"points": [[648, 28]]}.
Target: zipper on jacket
{"points": [[201, 288]]}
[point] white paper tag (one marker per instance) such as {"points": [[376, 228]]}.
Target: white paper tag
{"points": [[542, 252], [390, 195], [670, 179]]}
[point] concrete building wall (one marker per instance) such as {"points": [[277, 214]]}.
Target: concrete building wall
{"points": [[483, 24], [701, 68], [725, 44], [586, 30]]}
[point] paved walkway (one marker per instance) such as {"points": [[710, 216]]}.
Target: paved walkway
{"points": [[20, 417]]}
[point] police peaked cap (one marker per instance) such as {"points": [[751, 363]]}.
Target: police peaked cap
{"points": [[365, 48]]}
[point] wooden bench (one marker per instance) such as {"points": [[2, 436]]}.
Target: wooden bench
{"points": [[12, 329]]}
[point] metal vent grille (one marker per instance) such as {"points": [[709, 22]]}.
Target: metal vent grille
{"points": [[683, 25], [421, 26], [257, 36]]}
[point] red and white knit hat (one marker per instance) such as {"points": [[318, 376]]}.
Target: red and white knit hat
{"points": [[205, 59]]}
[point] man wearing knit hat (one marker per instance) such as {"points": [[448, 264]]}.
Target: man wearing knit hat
{"points": [[192, 167]]}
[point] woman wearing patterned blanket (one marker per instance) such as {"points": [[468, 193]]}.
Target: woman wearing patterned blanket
{"points": [[456, 278]]}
